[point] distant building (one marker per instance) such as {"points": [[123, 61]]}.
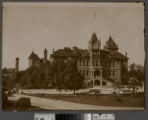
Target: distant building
{"points": [[35, 61], [134, 66], [99, 66], [8, 73]]}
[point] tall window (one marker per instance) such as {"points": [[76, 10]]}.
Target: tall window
{"points": [[84, 72], [96, 63], [83, 62], [113, 73], [87, 62], [113, 63], [79, 62], [87, 72]]}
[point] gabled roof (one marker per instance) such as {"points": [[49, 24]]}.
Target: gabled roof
{"points": [[68, 52], [83, 53], [118, 55], [63, 52], [33, 56]]}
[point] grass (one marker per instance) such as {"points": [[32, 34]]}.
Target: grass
{"points": [[127, 101], [12, 106]]}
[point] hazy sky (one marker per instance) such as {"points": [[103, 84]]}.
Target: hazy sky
{"points": [[36, 26]]}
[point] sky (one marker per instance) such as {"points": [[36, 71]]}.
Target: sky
{"points": [[31, 27]]}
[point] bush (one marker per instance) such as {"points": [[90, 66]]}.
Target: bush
{"points": [[138, 94], [14, 92], [23, 102], [119, 99], [10, 93], [4, 99], [17, 91]]}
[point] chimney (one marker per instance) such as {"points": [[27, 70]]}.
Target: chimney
{"points": [[17, 65], [75, 49], [126, 54], [45, 55], [53, 50]]}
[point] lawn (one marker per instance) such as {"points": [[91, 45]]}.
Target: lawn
{"points": [[127, 101], [12, 106]]}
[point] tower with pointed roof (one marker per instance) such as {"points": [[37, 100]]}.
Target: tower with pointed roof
{"points": [[33, 59], [111, 45], [94, 43], [94, 46]]}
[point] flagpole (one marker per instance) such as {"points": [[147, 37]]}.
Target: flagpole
{"points": [[94, 19]]}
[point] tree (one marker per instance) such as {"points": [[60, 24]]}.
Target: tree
{"points": [[58, 68], [124, 75], [57, 74], [73, 79]]}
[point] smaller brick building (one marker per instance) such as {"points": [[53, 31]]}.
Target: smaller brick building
{"points": [[34, 59]]}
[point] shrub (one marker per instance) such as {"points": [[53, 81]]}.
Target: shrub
{"points": [[4, 99], [17, 91], [10, 93], [14, 92], [119, 99], [138, 94], [23, 102]]}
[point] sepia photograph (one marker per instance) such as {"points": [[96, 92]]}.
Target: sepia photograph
{"points": [[73, 56]]}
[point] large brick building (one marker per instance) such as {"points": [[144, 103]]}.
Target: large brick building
{"points": [[99, 66]]}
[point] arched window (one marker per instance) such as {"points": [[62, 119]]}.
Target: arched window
{"points": [[97, 73]]}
